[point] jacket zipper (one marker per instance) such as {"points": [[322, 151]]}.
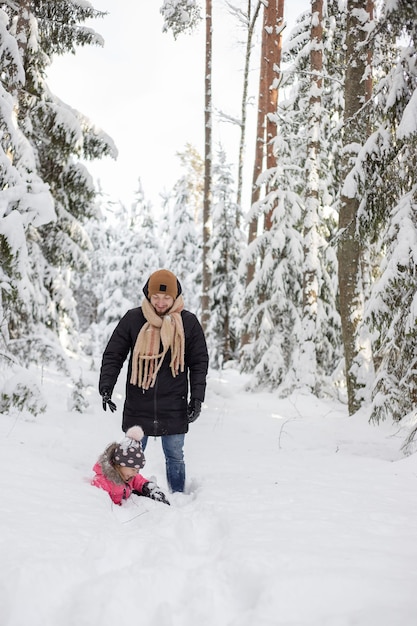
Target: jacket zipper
{"points": [[155, 419]]}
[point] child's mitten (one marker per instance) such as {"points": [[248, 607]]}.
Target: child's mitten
{"points": [[150, 490]]}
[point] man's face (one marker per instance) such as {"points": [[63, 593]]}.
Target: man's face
{"points": [[161, 302]]}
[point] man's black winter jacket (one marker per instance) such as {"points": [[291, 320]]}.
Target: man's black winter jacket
{"points": [[161, 410]]}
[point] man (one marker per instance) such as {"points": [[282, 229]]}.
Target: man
{"points": [[168, 358]]}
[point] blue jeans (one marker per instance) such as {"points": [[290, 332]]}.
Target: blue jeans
{"points": [[173, 447]]}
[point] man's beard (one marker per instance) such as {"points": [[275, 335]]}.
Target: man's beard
{"points": [[162, 313]]}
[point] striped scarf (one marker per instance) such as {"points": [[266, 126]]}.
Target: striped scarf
{"points": [[168, 331]]}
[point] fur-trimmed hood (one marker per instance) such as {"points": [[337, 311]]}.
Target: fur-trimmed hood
{"points": [[106, 466]]}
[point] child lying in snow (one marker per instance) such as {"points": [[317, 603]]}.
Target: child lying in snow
{"points": [[117, 470]]}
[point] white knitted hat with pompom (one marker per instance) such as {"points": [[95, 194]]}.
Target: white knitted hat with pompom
{"points": [[128, 452]]}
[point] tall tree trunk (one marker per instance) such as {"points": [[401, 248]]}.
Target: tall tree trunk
{"points": [[259, 145], [267, 103], [266, 100], [205, 299], [349, 245], [308, 361], [274, 22], [251, 27]]}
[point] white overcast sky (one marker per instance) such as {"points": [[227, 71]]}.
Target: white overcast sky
{"points": [[146, 90]]}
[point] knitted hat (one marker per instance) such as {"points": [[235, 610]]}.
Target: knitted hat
{"points": [[128, 452], [162, 281]]}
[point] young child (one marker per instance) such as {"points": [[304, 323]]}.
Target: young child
{"points": [[117, 470]]}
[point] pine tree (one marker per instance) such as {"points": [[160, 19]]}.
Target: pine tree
{"points": [[25, 204], [388, 161], [184, 241], [143, 250], [57, 136], [317, 343], [274, 298], [46, 192], [227, 249], [129, 253], [25, 200], [88, 286]]}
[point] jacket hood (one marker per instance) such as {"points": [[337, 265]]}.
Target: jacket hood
{"points": [[107, 468]]}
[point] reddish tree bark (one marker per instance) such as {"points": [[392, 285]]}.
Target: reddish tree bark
{"points": [[267, 104], [273, 26]]}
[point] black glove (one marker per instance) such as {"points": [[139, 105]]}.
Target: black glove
{"points": [[193, 409], [106, 396], [150, 490]]}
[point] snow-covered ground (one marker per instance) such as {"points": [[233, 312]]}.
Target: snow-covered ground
{"points": [[297, 516]]}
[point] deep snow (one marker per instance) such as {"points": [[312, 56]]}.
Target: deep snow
{"points": [[297, 515]]}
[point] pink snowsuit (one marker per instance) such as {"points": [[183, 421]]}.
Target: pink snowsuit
{"points": [[108, 478]]}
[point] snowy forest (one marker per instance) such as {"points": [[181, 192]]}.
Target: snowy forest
{"points": [[314, 287]]}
